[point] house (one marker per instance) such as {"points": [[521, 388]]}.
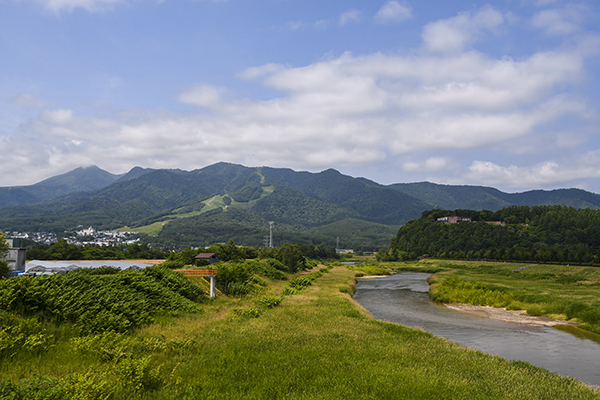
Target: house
{"points": [[210, 257], [454, 220]]}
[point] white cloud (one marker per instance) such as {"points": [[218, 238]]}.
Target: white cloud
{"points": [[202, 95], [429, 165], [92, 6], [58, 117], [58, 6], [393, 11], [352, 15], [544, 174], [28, 100], [344, 111], [294, 25], [559, 21], [456, 33]]}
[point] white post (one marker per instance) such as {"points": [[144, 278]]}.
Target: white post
{"points": [[212, 285]]}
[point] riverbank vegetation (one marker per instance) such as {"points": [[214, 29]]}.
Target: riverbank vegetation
{"points": [[298, 337], [562, 292]]}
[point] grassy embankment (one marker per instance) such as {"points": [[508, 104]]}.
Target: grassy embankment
{"points": [[560, 292], [315, 344]]}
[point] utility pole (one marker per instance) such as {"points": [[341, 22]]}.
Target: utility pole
{"points": [[337, 244], [271, 223]]}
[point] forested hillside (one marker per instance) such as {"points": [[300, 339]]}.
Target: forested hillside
{"points": [[519, 233], [450, 197], [228, 201], [78, 180]]}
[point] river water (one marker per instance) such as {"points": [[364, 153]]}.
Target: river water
{"points": [[403, 299]]}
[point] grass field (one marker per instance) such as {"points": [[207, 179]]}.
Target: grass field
{"points": [[316, 344]]}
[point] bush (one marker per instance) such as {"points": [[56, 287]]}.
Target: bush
{"points": [[98, 303], [78, 386], [271, 301], [138, 374], [265, 268], [173, 264], [250, 312], [534, 309], [455, 290]]}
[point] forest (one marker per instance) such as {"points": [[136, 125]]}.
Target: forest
{"points": [[516, 233]]}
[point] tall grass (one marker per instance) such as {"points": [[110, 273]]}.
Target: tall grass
{"points": [[561, 292], [316, 344]]}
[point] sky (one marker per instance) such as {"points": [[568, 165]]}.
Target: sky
{"points": [[496, 93]]}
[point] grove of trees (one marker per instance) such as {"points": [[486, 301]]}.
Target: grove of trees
{"points": [[517, 233]]}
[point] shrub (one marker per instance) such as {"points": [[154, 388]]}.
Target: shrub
{"points": [[173, 264], [77, 386], [277, 264], [271, 301], [265, 268], [98, 303], [250, 312], [138, 374], [534, 309], [455, 290]]}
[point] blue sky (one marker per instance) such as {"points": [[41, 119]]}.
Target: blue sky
{"points": [[497, 93]]}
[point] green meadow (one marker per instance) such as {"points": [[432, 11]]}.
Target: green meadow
{"points": [[297, 338]]}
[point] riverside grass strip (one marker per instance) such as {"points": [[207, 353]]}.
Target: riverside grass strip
{"points": [[317, 344], [560, 292]]}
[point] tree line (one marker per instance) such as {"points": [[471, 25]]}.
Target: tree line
{"points": [[516, 233], [291, 254]]}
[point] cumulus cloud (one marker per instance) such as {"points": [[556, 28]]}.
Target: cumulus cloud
{"points": [[202, 95], [92, 6], [456, 33], [352, 15], [28, 100], [350, 110], [393, 11], [429, 165], [58, 6], [559, 21], [344, 111], [544, 174]]}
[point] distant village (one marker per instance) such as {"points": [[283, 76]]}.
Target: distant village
{"points": [[84, 236], [16, 256]]}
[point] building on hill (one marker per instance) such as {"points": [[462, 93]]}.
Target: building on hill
{"points": [[210, 257], [454, 220]]}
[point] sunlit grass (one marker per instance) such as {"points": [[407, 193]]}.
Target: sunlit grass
{"points": [[561, 292], [317, 344]]}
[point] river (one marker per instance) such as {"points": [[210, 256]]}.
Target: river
{"points": [[403, 299]]}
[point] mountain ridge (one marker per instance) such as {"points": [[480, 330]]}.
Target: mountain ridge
{"points": [[224, 200]]}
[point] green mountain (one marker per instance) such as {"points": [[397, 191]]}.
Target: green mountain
{"points": [[79, 180], [228, 201], [451, 197]]}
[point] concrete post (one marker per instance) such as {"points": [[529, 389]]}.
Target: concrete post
{"points": [[213, 279]]}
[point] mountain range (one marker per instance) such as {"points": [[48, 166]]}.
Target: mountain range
{"points": [[228, 201]]}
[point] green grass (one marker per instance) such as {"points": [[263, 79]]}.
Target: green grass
{"points": [[316, 344], [558, 291]]}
